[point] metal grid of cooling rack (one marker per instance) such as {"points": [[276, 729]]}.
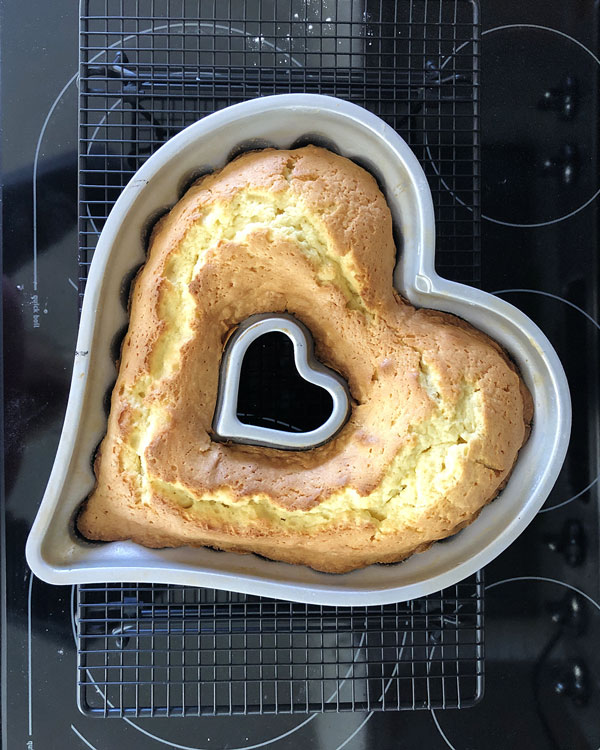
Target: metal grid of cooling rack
{"points": [[150, 650], [148, 68]]}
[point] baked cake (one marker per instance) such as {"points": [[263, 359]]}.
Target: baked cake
{"points": [[439, 412]]}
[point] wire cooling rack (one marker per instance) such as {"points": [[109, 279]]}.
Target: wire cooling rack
{"points": [[148, 68], [150, 650]]}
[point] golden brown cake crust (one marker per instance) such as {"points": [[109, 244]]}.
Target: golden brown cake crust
{"points": [[439, 413]]}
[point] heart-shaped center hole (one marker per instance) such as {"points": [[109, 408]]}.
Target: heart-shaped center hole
{"points": [[272, 390], [273, 394]]}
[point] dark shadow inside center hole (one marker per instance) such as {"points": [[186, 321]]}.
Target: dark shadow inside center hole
{"points": [[273, 394]]}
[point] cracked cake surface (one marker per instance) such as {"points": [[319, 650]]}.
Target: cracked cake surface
{"points": [[439, 412]]}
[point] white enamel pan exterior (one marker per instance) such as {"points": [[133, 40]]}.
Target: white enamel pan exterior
{"points": [[58, 555]]}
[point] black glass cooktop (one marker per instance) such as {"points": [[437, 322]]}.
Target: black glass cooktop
{"points": [[539, 246]]}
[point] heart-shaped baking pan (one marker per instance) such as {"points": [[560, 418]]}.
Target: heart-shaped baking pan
{"points": [[56, 553]]}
